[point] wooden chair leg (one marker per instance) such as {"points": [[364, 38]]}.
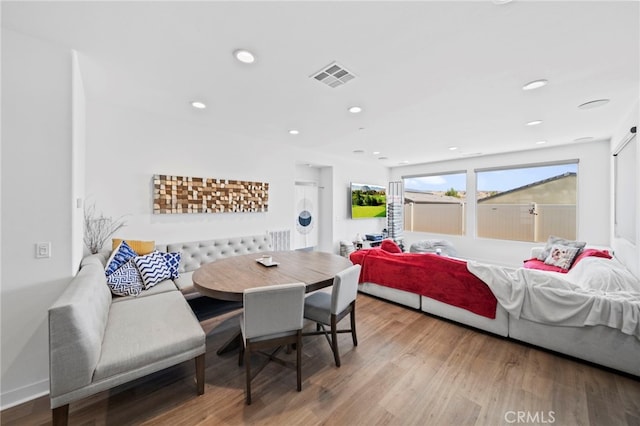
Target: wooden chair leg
{"points": [[353, 325], [200, 374], [60, 415], [334, 340], [299, 360], [247, 367]]}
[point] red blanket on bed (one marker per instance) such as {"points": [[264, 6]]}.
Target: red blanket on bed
{"points": [[439, 277]]}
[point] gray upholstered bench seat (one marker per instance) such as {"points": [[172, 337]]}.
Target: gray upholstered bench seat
{"points": [[163, 334], [97, 341]]}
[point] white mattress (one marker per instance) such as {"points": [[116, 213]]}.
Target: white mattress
{"points": [[599, 344], [499, 325], [402, 297]]}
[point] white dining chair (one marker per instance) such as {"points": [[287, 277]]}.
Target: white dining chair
{"points": [[327, 309], [272, 318]]}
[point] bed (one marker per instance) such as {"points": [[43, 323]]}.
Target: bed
{"points": [[438, 285], [591, 311]]}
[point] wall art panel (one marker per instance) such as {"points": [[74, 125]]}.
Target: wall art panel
{"points": [[180, 194]]}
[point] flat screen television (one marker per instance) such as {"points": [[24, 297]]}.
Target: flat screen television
{"points": [[368, 201]]}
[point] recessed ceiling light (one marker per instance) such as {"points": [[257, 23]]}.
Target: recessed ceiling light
{"points": [[585, 139], [199, 105], [594, 104], [453, 148], [376, 152], [383, 158], [404, 162], [534, 123], [470, 153], [534, 84], [541, 142], [355, 109], [294, 132], [501, 2], [244, 56], [358, 151]]}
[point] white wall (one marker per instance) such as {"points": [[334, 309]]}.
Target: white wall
{"points": [[36, 205], [594, 198], [126, 147], [78, 144], [45, 116], [628, 253]]}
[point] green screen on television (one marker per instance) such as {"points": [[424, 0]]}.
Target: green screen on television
{"points": [[368, 201]]}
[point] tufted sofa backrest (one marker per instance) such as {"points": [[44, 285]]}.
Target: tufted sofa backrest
{"points": [[197, 253]]}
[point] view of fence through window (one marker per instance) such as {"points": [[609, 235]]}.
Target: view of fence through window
{"points": [[435, 203], [522, 204], [527, 203]]}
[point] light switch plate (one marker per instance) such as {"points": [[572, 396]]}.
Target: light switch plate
{"points": [[43, 250]]}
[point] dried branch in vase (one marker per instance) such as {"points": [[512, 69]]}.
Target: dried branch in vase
{"points": [[98, 228]]}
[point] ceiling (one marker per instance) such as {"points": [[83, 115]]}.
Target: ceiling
{"points": [[429, 75]]}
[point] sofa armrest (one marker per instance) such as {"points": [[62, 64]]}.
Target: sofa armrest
{"points": [[77, 321]]}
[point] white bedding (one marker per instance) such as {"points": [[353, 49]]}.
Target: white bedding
{"points": [[596, 291]]}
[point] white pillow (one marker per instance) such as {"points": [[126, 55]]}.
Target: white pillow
{"points": [[561, 256], [126, 280], [602, 274], [557, 240]]}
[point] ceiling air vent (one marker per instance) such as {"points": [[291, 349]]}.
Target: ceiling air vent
{"points": [[334, 75]]}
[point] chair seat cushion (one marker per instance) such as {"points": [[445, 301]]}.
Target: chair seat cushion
{"points": [[317, 307], [146, 330]]}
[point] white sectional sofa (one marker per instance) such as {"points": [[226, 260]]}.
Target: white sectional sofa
{"points": [[601, 344], [599, 318]]}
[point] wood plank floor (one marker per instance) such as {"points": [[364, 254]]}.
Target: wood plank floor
{"points": [[408, 369]]}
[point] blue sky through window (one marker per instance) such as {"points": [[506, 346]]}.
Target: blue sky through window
{"points": [[497, 180], [436, 183]]}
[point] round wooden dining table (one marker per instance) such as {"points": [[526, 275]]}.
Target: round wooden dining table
{"points": [[226, 279]]}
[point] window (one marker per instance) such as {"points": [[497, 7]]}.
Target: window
{"points": [[435, 203], [527, 203]]}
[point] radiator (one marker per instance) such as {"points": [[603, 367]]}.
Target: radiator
{"points": [[281, 240]]}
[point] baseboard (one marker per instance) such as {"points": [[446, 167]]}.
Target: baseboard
{"points": [[24, 394]]}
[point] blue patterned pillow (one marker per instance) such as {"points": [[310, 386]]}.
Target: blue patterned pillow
{"points": [[173, 263], [153, 268], [126, 280], [119, 257]]}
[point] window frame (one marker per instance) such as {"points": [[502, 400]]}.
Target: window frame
{"points": [[477, 171], [463, 203]]}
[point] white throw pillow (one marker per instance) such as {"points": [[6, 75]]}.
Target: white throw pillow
{"points": [[557, 240], [561, 256], [126, 280]]}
